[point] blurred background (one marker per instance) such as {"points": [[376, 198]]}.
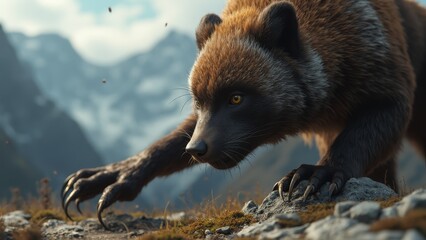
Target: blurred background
{"points": [[82, 86]]}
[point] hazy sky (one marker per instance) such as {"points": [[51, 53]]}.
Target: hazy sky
{"points": [[100, 36]]}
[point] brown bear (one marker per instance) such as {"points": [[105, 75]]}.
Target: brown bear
{"points": [[341, 72]]}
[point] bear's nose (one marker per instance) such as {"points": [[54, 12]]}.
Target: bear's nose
{"points": [[196, 148]]}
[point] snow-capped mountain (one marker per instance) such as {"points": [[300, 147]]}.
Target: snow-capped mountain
{"points": [[45, 139], [122, 108]]}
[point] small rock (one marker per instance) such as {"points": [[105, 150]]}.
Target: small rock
{"points": [[224, 230], [257, 228], [136, 233], [329, 228], [365, 211], [75, 235], [208, 232], [249, 207], [288, 216], [90, 225], [52, 223], [389, 212], [179, 216], [413, 235], [284, 232], [354, 231], [342, 208], [15, 220], [274, 226], [56, 230], [415, 200]]}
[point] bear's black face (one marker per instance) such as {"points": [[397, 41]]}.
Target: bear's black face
{"points": [[230, 126]]}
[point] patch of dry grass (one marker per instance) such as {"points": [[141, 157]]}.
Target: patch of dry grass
{"points": [[209, 215], [316, 212], [196, 228], [414, 219], [234, 219], [389, 202], [211, 208], [41, 216]]}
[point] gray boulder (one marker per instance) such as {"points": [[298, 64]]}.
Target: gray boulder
{"points": [[55, 229], [15, 221], [356, 189], [365, 211]]}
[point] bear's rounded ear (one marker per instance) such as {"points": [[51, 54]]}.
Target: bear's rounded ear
{"points": [[278, 28], [206, 28]]}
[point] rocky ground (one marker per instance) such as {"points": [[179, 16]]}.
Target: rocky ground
{"points": [[356, 215]]}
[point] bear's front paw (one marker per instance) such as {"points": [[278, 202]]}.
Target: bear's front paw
{"points": [[317, 176]]}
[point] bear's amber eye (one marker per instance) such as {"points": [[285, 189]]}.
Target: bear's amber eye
{"points": [[236, 100]]}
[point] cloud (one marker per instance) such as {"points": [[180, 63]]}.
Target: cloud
{"points": [[105, 38]]}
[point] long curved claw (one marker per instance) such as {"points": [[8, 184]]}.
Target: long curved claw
{"points": [[100, 209], [63, 197], [71, 198], [279, 186], [110, 195], [294, 181], [106, 200], [309, 189], [280, 191], [65, 185], [66, 211], [339, 180], [276, 185]]}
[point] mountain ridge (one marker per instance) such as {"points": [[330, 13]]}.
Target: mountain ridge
{"points": [[42, 134]]}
